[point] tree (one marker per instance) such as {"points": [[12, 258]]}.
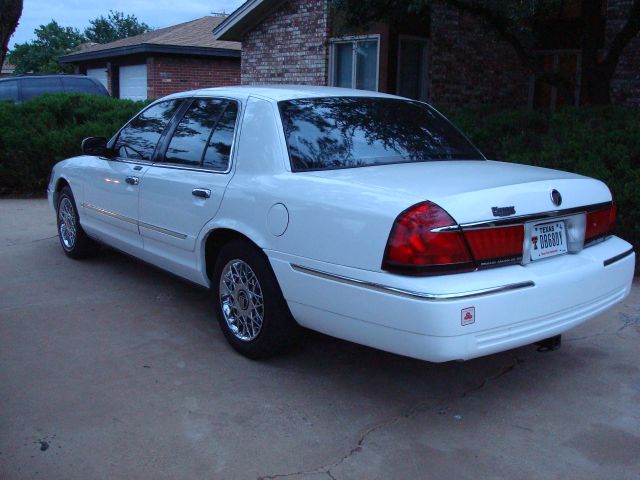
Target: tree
{"points": [[519, 22], [41, 55], [114, 27], [10, 12]]}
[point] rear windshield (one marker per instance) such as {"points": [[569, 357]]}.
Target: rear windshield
{"points": [[346, 132]]}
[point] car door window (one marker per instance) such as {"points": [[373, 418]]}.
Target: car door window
{"points": [[139, 138], [32, 87], [192, 133], [219, 148], [9, 90]]}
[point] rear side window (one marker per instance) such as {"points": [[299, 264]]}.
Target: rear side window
{"points": [[348, 132], [192, 133], [219, 149], [33, 87], [139, 138], [204, 135], [80, 85], [9, 90]]}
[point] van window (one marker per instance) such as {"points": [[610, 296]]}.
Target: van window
{"points": [[9, 90], [81, 85], [32, 87]]}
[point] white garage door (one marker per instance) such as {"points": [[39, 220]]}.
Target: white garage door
{"points": [[99, 74], [133, 82]]}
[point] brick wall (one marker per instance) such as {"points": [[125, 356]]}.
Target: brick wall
{"points": [[470, 64], [625, 86], [166, 75], [289, 46]]}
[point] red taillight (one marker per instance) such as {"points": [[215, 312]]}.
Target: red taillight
{"points": [[421, 243], [600, 223], [496, 246], [426, 240]]}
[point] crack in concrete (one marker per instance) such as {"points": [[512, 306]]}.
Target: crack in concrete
{"points": [[31, 241], [509, 368], [628, 320], [416, 409]]}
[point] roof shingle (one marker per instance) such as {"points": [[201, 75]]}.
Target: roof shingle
{"points": [[196, 33]]}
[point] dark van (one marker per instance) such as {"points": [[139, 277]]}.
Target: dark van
{"points": [[23, 88]]}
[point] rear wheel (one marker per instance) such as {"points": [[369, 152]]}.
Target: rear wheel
{"points": [[74, 241], [252, 312]]}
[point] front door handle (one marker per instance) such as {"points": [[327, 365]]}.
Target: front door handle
{"points": [[201, 192], [132, 180]]}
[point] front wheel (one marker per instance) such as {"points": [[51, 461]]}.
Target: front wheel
{"points": [[74, 241], [252, 312]]}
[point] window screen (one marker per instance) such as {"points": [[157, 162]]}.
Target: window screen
{"points": [[355, 64]]}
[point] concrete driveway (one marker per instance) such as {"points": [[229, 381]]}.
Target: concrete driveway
{"points": [[110, 369]]}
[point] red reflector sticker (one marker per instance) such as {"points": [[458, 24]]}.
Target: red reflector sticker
{"points": [[468, 316]]}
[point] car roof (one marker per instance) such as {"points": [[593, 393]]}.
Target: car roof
{"points": [[280, 92]]}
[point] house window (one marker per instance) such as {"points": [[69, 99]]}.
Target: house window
{"points": [[354, 62], [566, 64]]}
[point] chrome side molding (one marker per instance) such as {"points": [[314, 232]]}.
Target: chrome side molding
{"points": [[409, 293], [133, 221], [110, 214]]}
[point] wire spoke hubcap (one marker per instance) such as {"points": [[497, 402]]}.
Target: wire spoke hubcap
{"points": [[241, 300], [67, 223]]}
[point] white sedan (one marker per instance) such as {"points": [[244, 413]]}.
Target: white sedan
{"points": [[361, 215]]}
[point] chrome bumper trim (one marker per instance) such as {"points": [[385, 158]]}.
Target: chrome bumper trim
{"points": [[133, 221], [617, 258], [522, 219], [409, 293]]}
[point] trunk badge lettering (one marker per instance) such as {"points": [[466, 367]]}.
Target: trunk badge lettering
{"points": [[503, 211]]}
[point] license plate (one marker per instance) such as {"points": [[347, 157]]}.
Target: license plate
{"points": [[548, 240]]}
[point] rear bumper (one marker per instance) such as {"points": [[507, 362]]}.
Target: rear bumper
{"points": [[550, 297]]}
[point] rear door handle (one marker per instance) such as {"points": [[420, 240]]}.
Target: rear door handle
{"points": [[201, 192], [132, 180]]}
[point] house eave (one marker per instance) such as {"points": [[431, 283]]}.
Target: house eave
{"points": [[244, 18], [149, 48]]}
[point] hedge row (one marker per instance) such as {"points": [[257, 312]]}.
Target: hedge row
{"points": [[36, 134], [601, 142]]}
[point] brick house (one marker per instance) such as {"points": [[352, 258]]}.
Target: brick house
{"points": [[446, 56], [161, 62], [7, 70]]}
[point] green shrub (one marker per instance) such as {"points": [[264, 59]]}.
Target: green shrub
{"points": [[599, 142], [36, 134]]}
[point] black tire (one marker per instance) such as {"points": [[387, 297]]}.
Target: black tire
{"points": [[278, 331], [81, 246]]}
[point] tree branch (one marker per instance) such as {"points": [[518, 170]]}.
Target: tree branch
{"points": [[622, 39], [501, 26]]}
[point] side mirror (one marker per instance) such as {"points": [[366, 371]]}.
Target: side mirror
{"points": [[96, 146]]}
